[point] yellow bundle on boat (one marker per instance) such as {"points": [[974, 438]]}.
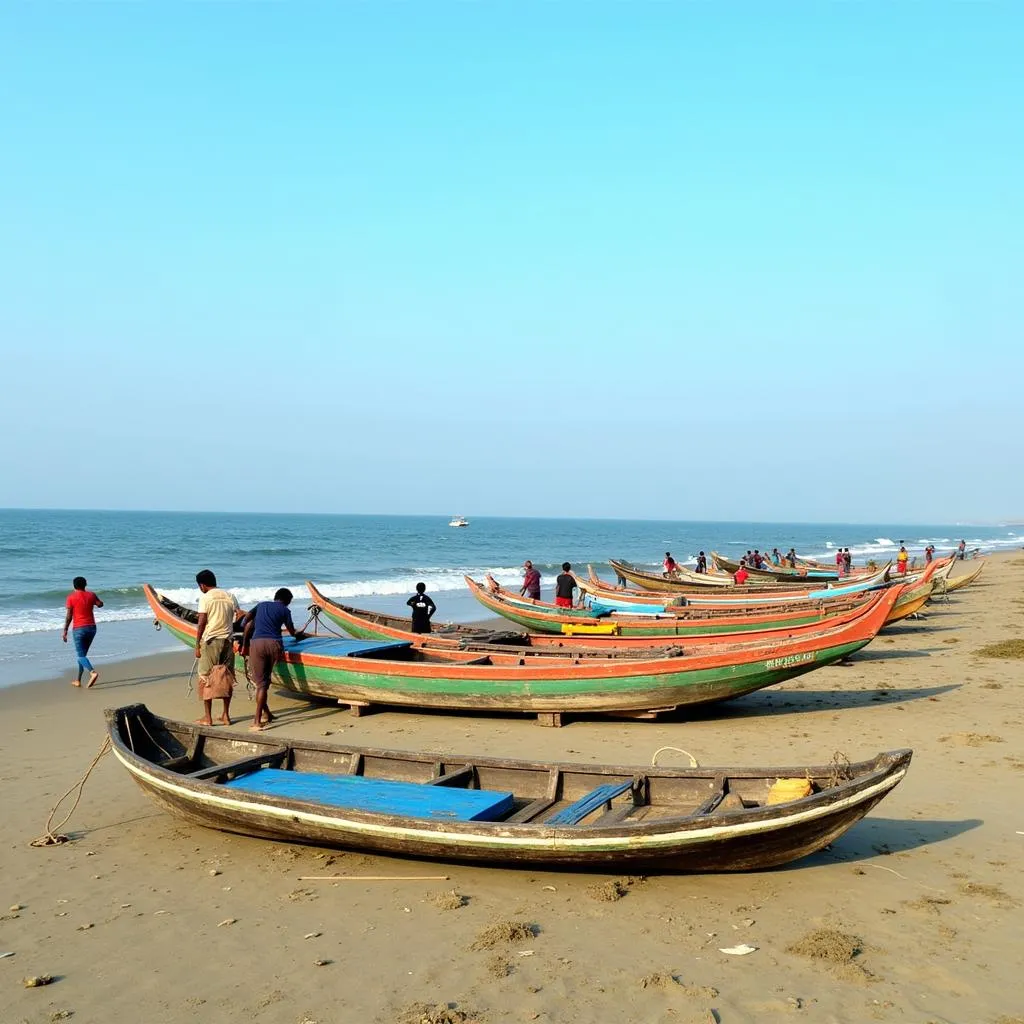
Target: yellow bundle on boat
{"points": [[785, 790], [606, 629]]}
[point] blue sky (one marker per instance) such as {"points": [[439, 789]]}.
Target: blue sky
{"points": [[699, 261]]}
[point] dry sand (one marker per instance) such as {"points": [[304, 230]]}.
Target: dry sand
{"points": [[913, 916]]}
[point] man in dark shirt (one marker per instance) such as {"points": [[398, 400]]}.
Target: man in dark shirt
{"points": [[564, 586], [423, 609], [702, 562], [261, 632]]}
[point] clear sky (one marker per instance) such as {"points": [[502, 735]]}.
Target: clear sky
{"points": [[697, 261]]}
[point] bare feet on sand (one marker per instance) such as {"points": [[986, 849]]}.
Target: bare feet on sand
{"points": [[76, 682], [256, 728], [204, 721], [92, 680], [224, 720]]}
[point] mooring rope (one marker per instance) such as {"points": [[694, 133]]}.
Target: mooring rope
{"points": [[52, 838]]}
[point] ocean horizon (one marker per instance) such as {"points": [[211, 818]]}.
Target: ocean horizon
{"points": [[373, 561]]}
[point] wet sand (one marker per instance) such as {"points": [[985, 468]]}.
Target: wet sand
{"points": [[914, 915]]}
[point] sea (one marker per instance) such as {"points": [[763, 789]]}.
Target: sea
{"points": [[368, 561]]}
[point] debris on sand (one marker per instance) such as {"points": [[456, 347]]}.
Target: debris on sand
{"points": [[608, 892], [440, 1013], [996, 893], [615, 889], [497, 966], [837, 949], [61, 1014], [1003, 649], [37, 980], [447, 900], [504, 932], [668, 980], [970, 739]]}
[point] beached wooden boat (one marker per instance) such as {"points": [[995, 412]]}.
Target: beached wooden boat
{"points": [[378, 626], [362, 673], [495, 810], [734, 596], [543, 617], [687, 581], [951, 583], [781, 573]]}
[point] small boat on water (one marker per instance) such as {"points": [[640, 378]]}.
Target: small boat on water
{"points": [[496, 810], [458, 521]]}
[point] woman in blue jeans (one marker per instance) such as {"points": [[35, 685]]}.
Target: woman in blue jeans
{"points": [[80, 618]]}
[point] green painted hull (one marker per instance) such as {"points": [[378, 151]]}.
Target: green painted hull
{"points": [[351, 681]]}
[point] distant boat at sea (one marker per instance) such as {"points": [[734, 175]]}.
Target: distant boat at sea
{"points": [[459, 521]]}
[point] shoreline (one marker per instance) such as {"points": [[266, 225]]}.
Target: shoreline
{"points": [[926, 887]]}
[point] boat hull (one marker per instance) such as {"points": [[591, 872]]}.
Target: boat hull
{"points": [[753, 838]]}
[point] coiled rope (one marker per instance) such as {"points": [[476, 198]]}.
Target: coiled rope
{"points": [[51, 837]]}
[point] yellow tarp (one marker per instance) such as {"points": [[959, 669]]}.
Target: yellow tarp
{"points": [[605, 629]]}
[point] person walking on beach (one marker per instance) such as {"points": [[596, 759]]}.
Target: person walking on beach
{"points": [[423, 609], [565, 584], [740, 576], [840, 562], [776, 556], [702, 562], [901, 560], [929, 554], [531, 581], [261, 644], [215, 651], [847, 561], [670, 564], [82, 622], [791, 558], [961, 550]]}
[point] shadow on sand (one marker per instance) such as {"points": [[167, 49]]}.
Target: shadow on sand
{"points": [[874, 837]]}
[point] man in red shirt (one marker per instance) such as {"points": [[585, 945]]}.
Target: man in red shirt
{"points": [[741, 575], [80, 604], [531, 581]]}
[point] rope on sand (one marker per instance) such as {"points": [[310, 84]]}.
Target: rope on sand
{"points": [[52, 838], [678, 750]]}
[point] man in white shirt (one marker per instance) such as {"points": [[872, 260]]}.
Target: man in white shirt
{"points": [[218, 611]]}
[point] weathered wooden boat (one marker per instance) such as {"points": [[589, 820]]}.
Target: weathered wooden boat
{"points": [[542, 617], [491, 810], [782, 573], [360, 673], [733, 596], [378, 626], [687, 581], [951, 583]]}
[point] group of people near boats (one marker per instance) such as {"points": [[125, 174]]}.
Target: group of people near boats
{"points": [[220, 625], [565, 584]]}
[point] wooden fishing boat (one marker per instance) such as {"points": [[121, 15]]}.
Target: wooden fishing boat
{"points": [[542, 617], [378, 626], [781, 573], [496, 811], [734, 596], [951, 583], [360, 673], [687, 581]]}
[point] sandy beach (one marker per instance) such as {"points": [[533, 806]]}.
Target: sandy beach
{"points": [[913, 916]]}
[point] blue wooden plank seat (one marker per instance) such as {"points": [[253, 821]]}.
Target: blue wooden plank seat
{"points": [[343, 647], [576, 812], [378, 796]]}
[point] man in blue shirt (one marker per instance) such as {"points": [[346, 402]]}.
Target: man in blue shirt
{"points": [[261, 644]]}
